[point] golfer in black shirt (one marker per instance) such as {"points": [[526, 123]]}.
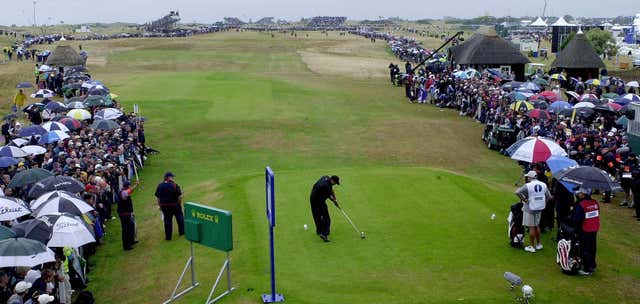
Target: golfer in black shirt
{"points": [[323, 190], [169, 200]]}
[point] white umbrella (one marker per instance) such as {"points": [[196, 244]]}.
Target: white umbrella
{"points": [[34, 150], [54, 125], [68, 232], [45, 68], [44, 93], [584, 104], [535, 149], [632, 84], [21, 252], [76, 105], [52, 194], [19, 142], [12, 208], [108, 114]]}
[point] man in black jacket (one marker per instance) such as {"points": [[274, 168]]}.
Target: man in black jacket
{"points": [[321, 191]]}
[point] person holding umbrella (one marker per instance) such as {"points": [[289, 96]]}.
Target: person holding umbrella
{"points": [[125, 211], [586, 218]]}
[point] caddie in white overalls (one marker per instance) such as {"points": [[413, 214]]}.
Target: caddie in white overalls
{"points": [[534, 194]]}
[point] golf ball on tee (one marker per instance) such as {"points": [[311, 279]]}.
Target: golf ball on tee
{"points": [[306, 227], [493, 216]]}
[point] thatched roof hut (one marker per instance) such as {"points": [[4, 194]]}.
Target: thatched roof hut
{"points": [[64, 56], [486, 48], [579, 58]]}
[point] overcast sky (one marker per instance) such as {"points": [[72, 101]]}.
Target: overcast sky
{"points": [[207, 11]]}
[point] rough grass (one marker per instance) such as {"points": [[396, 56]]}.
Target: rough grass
{"points": [[226, 105]]}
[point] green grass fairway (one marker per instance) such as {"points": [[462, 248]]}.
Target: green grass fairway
{"points": [[416, 179]]}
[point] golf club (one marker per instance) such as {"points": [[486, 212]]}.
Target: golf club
{"points": [[361, 233]]}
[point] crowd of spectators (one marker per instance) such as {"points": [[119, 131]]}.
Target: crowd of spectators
{"points": [[103, 160]]}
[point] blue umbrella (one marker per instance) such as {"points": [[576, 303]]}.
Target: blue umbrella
{"points": [[557, 163], [32, 130], [6, 161], [517, 96], [530, 86], [622, 101], [560, 105], [52, 136], [55, 106]]}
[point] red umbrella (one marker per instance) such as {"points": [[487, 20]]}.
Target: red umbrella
{"points": [[539, 114], [536, 97], [615, 106], [550, 96], [70, 123]]}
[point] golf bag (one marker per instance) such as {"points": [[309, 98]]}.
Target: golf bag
{"points": [[516, 230], [568, 254]]}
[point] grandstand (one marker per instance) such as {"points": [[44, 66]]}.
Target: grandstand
{"points": [[164, 24]]}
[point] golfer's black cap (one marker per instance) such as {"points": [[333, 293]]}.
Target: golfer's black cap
{"points": [[336, 179], [169, 174]]}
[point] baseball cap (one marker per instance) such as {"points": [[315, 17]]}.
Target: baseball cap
{"points": [[45, 298], [336, 179], [169, 174], [531, 174], [22, 286]]}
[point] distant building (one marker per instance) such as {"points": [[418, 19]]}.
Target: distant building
{"points": [[561, 29], [83, 29]]}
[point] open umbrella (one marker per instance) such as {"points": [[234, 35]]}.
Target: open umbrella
{"points": [[12, 151], [558, 106], [79, 114], [34, 229], [516, 96], [539, 114], [549, 96], [572, 94], [588, 177], [68, 231], [12, 208], [34, 107], [6, 161], [62, 204], [584, 104], [45, 68], [622, 101], [75, 98], [52, 183], [50, 195], [98, 101], [632, 84], [76, 105], [534, 149], [610, 95], [19, 142], [541, 81], [21, 252], [43, 93], [108, 113], [631, 97], [32, 130], [24, 85], [56, 106], [530, 86], [70, 123], [579, 112], [105, 125], [557, 77], [55, 126], [510, 86], [593, 82], [52, 136], [623, 121], [605, 108], [521, 106], [558, 163], [91, 83], [584, 97], [28, 177], [6, 233]]}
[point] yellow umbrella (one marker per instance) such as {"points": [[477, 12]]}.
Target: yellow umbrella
{"points": [[79, 114], [521, 106], [557, 77]]}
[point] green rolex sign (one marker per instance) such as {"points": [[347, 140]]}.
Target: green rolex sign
{"points": [[208, 226]]}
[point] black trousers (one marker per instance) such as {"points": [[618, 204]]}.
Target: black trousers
{"points": [[321, 217], [588, 246], [169, 212], [128, 231]]}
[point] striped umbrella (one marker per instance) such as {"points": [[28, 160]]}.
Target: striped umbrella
{"points": [[52, 136], [61, 204], [631, 97], [593, 82], [108, 113], [19, 142], [34, 150], [557, 77], [521, 106], [535, 149], [53, 195], [70, 123], [584, 104], [31, 131], [12, 151], [76, 105], [6, 162], [79, 114], [539, 114], [56, 106], [44, 93], [55, 126], [588, 96]]}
